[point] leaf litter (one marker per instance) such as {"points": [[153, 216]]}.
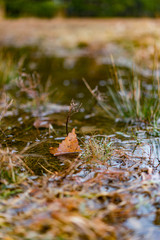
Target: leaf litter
{"points": [[95, 198], [103, 192]]}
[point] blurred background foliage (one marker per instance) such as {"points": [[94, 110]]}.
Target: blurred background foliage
{"points": [[36, 8], [113, 8], [81, 8]]}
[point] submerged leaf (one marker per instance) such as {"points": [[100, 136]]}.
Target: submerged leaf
{"points": [[68, 146]]}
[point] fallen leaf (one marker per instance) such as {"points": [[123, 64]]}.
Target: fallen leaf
{"points": [[42, 122], [68, 146]]}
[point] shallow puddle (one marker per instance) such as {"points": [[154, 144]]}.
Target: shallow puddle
{"points": [[38, 122]]}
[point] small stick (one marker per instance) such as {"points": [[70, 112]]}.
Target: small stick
{"points": [[74, 108]]}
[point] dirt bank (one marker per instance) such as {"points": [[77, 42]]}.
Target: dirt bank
{"points": [[132, 38]]}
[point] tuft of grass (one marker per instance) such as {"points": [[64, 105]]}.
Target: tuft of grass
{"points": [[8, 68], [34, 96], [132, 102], [5, 104], [136, 104], [11, 165], [13, 168], [97, 148], [30, 85]]}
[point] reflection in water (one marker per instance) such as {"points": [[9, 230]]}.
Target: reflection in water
{"points": [[150, 150]]}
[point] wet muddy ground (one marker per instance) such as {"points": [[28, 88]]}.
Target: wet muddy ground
{"points": [[110, 191]]}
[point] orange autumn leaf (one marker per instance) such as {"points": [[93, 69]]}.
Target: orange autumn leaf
{"points": [[69, 145]]}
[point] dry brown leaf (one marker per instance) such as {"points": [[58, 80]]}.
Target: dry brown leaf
{"points": [[69, 145]]}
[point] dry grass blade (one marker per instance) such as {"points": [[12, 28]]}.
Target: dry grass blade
{"points": [[4, 105], [100, 99], [11, 164]]}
